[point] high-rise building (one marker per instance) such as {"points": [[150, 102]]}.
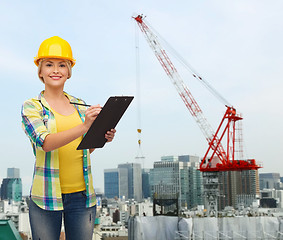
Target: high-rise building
{"points": [[11, 187], [145, 183], [188, 158], [134, 180], [178, 176], [195, 191], [238, 186], [269, 181], [169, 158], [13, 173], [116, 183]]}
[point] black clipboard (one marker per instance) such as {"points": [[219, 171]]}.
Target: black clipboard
{"points": [[107, 119]]}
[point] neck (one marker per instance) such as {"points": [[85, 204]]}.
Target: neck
{"points": [[53, 94]]}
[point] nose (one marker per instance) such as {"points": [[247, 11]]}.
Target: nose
{"points": [[56, 69]]}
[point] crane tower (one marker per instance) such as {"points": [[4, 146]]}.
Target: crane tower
{"points": [[217, 158]]}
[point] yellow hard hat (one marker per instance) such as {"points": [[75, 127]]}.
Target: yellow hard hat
{"points": [[55, 47]]}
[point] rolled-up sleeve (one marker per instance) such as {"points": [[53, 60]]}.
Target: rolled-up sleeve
{"points": [[33, 124]]}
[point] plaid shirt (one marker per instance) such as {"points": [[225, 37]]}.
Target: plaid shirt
{"points": [[38, 121]]}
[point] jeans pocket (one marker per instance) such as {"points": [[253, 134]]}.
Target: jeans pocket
{"points": [[83, 193]]}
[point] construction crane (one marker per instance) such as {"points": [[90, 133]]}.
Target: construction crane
{"points": [[216, 157]]}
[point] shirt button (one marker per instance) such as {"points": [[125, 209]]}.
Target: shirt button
{"points": [[84, 155], [85, 169]]}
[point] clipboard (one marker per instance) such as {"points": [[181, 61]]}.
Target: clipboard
{"points": [[106, 120]]}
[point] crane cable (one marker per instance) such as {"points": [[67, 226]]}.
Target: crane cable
{"points": [[139, 130], [189, 67], [179, 58]]}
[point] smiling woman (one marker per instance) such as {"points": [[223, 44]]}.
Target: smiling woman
{"points": [[55, 47], [62, 183]]}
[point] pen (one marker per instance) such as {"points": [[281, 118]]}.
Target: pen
{"points": [[86, 105]]}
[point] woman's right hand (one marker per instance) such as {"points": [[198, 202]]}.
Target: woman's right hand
{"points": [[91, 114], [56, 140]]}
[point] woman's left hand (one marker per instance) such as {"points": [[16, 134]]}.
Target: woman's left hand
{"points": [[110, 135]]}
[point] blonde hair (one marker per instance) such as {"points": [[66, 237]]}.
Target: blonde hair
{"points": [[69, 66]]}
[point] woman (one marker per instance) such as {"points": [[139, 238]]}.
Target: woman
{"points": [[62, 181]]}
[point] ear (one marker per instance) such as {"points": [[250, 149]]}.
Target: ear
{"points": [[39, 73]]}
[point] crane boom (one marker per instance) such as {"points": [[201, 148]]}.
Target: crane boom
{"points": [[224, 158]]}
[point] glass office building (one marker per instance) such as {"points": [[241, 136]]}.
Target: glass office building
{"points": [[116, 183], [11, 189], [178, 176], [134, 180], [145, 183], [269, 181]]}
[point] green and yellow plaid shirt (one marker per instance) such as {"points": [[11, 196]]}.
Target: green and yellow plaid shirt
{"points": [[38, 121]]}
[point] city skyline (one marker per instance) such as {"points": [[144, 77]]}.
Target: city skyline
{"points": [[235, 46], [162, 159]]}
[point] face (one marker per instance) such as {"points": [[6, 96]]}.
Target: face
{"points": [[54, 72]]}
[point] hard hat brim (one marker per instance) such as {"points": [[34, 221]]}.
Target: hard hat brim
{"points": [[36, 59]]}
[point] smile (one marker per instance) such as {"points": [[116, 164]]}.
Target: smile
{"points": [[55, 77]]}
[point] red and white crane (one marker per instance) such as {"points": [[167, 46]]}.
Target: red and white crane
{"points": [[216, 157]]}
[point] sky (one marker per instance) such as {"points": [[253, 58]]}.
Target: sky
{"points": [[235, 45]]}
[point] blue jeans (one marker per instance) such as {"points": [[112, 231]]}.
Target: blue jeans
{"points": [[78, 220]]}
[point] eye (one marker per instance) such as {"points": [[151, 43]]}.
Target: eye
{"points": [[48, 65], [62, 65]]}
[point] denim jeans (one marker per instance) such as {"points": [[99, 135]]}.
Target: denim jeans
{"points": [[78, 220]]}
